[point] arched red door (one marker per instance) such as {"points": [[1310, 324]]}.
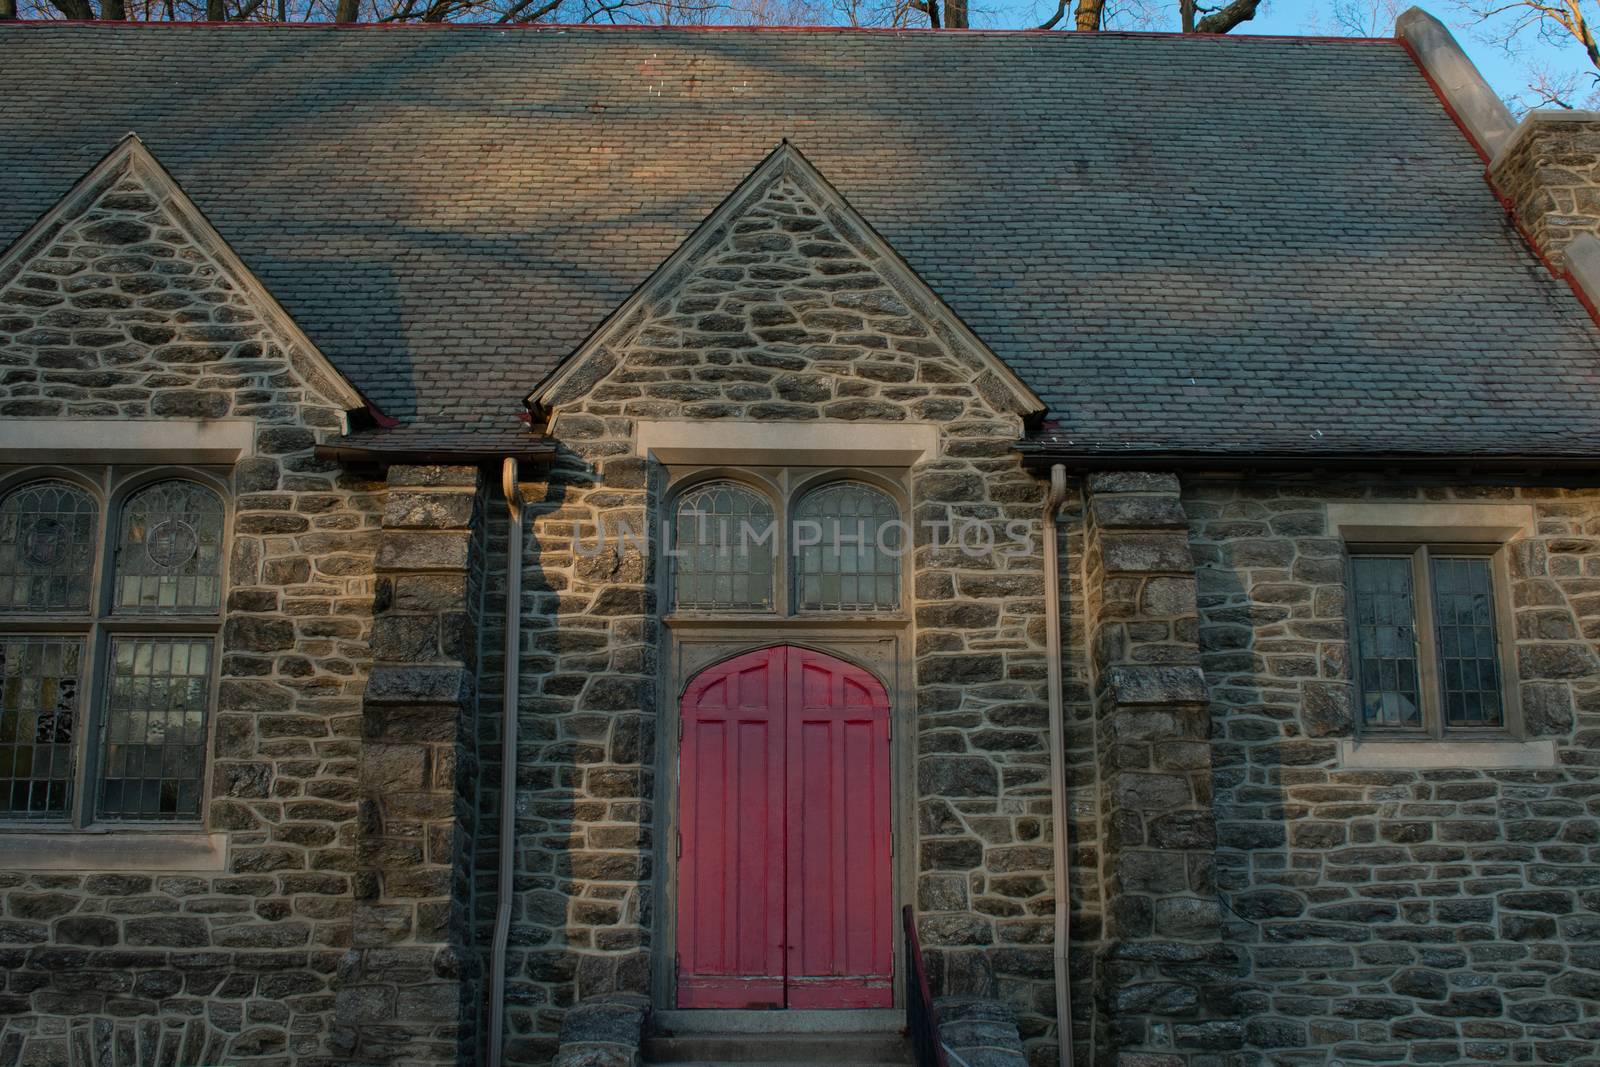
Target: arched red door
{"points": [[785, 895]]}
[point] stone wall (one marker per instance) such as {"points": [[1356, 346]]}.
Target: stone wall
{"points": [[1550, 177], [785, 318], [1398, 916], [123, 316]]}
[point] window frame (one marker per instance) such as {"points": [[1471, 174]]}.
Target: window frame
{"points": [[783, 487], [1433, 727], [112, 485]]}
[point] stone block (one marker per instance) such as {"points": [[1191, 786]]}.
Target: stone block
{"points": [[1113, 512], [1146, 553], [423, 550], [1132, 482], [1133, 686], [408, 684], [431, 475], [411, 509]]}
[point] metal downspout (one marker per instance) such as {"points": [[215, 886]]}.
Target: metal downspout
{"points": [[1058, 761], [508, 762]]}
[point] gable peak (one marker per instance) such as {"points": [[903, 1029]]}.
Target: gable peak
{"points": [[786, 181], [131, 168]]}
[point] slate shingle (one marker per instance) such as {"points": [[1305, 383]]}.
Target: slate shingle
{"points": [[1180, 243]]}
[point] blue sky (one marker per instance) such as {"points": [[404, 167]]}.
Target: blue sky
{"points": [[1508, 73]]}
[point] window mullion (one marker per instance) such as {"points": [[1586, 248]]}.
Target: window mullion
{"points": [[1427, 642]]}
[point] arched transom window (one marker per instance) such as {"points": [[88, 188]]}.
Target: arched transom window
{"points": [[722, 537], [844, 540], [854, 562]]}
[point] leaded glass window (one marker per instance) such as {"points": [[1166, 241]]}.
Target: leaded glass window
{"points": [[1386, 629], [169, 556], [847, 549], [39, 678], [1469, 662], [48, 532], [110, 609], [723, 540], [155, 728], [1427, 643]]}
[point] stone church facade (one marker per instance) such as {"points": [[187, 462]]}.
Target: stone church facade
{"points": [[350, 719]]}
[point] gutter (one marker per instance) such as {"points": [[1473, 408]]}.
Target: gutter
{"points": [[534, 452], [1038, 456], [1058, 769], [508, 761]]}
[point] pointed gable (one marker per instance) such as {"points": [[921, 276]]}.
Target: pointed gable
{"points": [[109, 278], [786, 304]]}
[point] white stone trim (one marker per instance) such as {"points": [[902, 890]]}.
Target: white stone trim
{"points": [[1430, 521], [1431, 755], [824, 442], [75, 440], [120, 850], [1475, 104], [1583, 265]]}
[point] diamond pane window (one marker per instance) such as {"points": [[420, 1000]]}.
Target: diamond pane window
{"points": [[1386, 635], [847, 545], [47, 548], [153, 763], [724, 540], [39, 678], [169, 554], [1464, 628]]}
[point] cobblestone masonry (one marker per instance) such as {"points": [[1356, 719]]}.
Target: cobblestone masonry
{"points": [[785, 318], [123, 316], [1447, 916], [1551, 179]]}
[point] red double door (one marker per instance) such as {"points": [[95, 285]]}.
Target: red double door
{"points": [[785, 894]]}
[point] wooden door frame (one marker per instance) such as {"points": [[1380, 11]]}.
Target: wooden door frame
{"points": [[879, 646]]}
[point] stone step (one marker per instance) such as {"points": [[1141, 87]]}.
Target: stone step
{"points": [[867, 1049]]}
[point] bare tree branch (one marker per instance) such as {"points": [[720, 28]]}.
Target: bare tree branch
{"points": [[1089, 14], [1227, 18]]}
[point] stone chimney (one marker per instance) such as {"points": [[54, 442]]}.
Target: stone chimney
{"points": [[1548, 172], [1546, 168]]}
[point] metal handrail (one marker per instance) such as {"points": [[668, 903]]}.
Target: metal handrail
{"points": [[922, 1022]]}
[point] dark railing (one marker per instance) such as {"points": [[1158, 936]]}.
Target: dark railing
{"points": [[922, 1025]]}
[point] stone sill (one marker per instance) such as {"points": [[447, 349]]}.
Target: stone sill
{"points": [[1427, 754], [119, 850]]}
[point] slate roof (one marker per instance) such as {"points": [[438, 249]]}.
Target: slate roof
{"points": [[1192, 244]]}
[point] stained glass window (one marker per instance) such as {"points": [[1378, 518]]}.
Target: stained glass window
{"points": [[724, 540], [1386, 636], [169, 555], [47, 547], [847, 541], [39, 678], [1464, 628], [153, 763]]}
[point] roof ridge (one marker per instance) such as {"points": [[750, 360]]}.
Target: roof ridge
{"points": [[564, 27]]}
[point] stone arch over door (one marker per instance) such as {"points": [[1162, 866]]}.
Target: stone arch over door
{"points": [[785, 889]]}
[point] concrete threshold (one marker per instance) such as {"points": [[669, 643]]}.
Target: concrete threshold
{"points": [[854, 1021]]}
